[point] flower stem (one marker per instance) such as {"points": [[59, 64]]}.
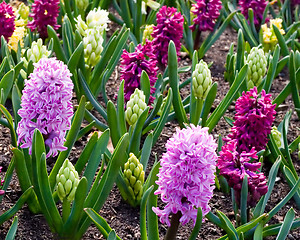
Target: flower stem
{"points": [[66, 209], [172, 230]]}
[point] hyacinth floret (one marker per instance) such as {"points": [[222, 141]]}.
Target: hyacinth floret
{"points": [[253, 120], [169, 27], [1, 183], [258, 7], [186, 176], [132, 65], [44, 13], [7, 20], [46, 105], [206, 13], [234, 166]]}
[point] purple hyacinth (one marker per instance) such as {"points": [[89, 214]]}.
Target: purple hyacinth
{"points": [[169, 27], [206, 14], [234, 166], [295, 2], [253, 120], [44, 13], [186, 176], [46, 105], [1, 183], [258, 7], [132, 65], [7, 21]]}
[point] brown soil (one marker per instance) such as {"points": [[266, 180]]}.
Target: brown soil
{"points": [[122, 217]]}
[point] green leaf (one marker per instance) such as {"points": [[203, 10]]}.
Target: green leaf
{"points": [[11, 125], [145, 85], [6, 84], [143, 205], [12, 230], [287, 224], [227, 226], [197, 226], [112, 120], [244, 198], [272, 70], [281, 41], [211, 96], [59, 52], [120, 110], [146, 151]]}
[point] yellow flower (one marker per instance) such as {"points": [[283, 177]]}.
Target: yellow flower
{"points": [[269, 36], [266, 33], [278, 23], [17, 36]]}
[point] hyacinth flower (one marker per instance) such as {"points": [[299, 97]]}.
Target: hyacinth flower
{"points": [[234, 165], [269, 37], [205, 14], [1, 183], [253, 120], [258, 7], [132, 65], [44, 13], [169, 27], [147, 33], [7, 20], [186, 176], [46, 105]]}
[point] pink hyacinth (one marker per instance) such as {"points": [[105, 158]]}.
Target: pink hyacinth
{"points": [[46, 105], [186, 176], [1, 183], [253, 120], [258, 7], [132, 65], [206, 14], [169, 27], [7, 21], [234, 166], [44, 13]]}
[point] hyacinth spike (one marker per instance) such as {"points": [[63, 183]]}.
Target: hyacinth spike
{"points": [[186, 176], [7, 21], [135, 107], [46, 105], [258, 7], [202, 80]]}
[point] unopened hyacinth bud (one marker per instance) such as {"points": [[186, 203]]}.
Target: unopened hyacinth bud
{"points": [[93, 48], [135, 106], [1, 183], [147, 33], [134, 177], [44, 13], [257, 67], [201, 80], [82, 4], [186, 178], [67, 181], [276, 135], [23, 11], [46, 105], [36, 52], [7, 20]]}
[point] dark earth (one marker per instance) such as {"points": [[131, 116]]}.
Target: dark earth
{"points": [[120, 215]]}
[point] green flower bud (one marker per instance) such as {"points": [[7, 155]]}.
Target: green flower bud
{"points": [[257, 67], [82, 4], [276, 135], [92, 43], [147, 33], [135, 106], [134, 176], [36, 52], [23, 11], [67, 181], [201, 80]]}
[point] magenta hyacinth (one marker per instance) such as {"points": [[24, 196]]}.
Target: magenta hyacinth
{"points": [[169, 27], [258, 7], [7, 21], [186, 176], [44, 13], [132, 65], [1, 183], [253, 120], [206, 14], [46, 105], [234, 166]]}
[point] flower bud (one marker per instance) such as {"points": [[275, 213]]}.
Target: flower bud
{"points": [[134, 176], [23, 11], [147, 33], [202, 81], [135, 106], [93, 48], [276, 135], [81, 25], [257, 67], [82, 4], [67, 181], [37, 51]]}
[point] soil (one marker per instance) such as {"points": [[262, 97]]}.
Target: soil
{"points": [[121, 216]]}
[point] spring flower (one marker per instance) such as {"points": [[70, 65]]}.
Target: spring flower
{"points": [[7, 20], [201, 80], [234, 166], [258, 7], [276, 135], [81, 25], [253, 120], [132, 65], [169, 27], [23, 11], [269, 37], [186, 176], [98, 18], [44, 13], [150, 3], [16, 38], [206, 13], [135, 107], [147, 33], [1, 183], [93, 48], [46, 105]]}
